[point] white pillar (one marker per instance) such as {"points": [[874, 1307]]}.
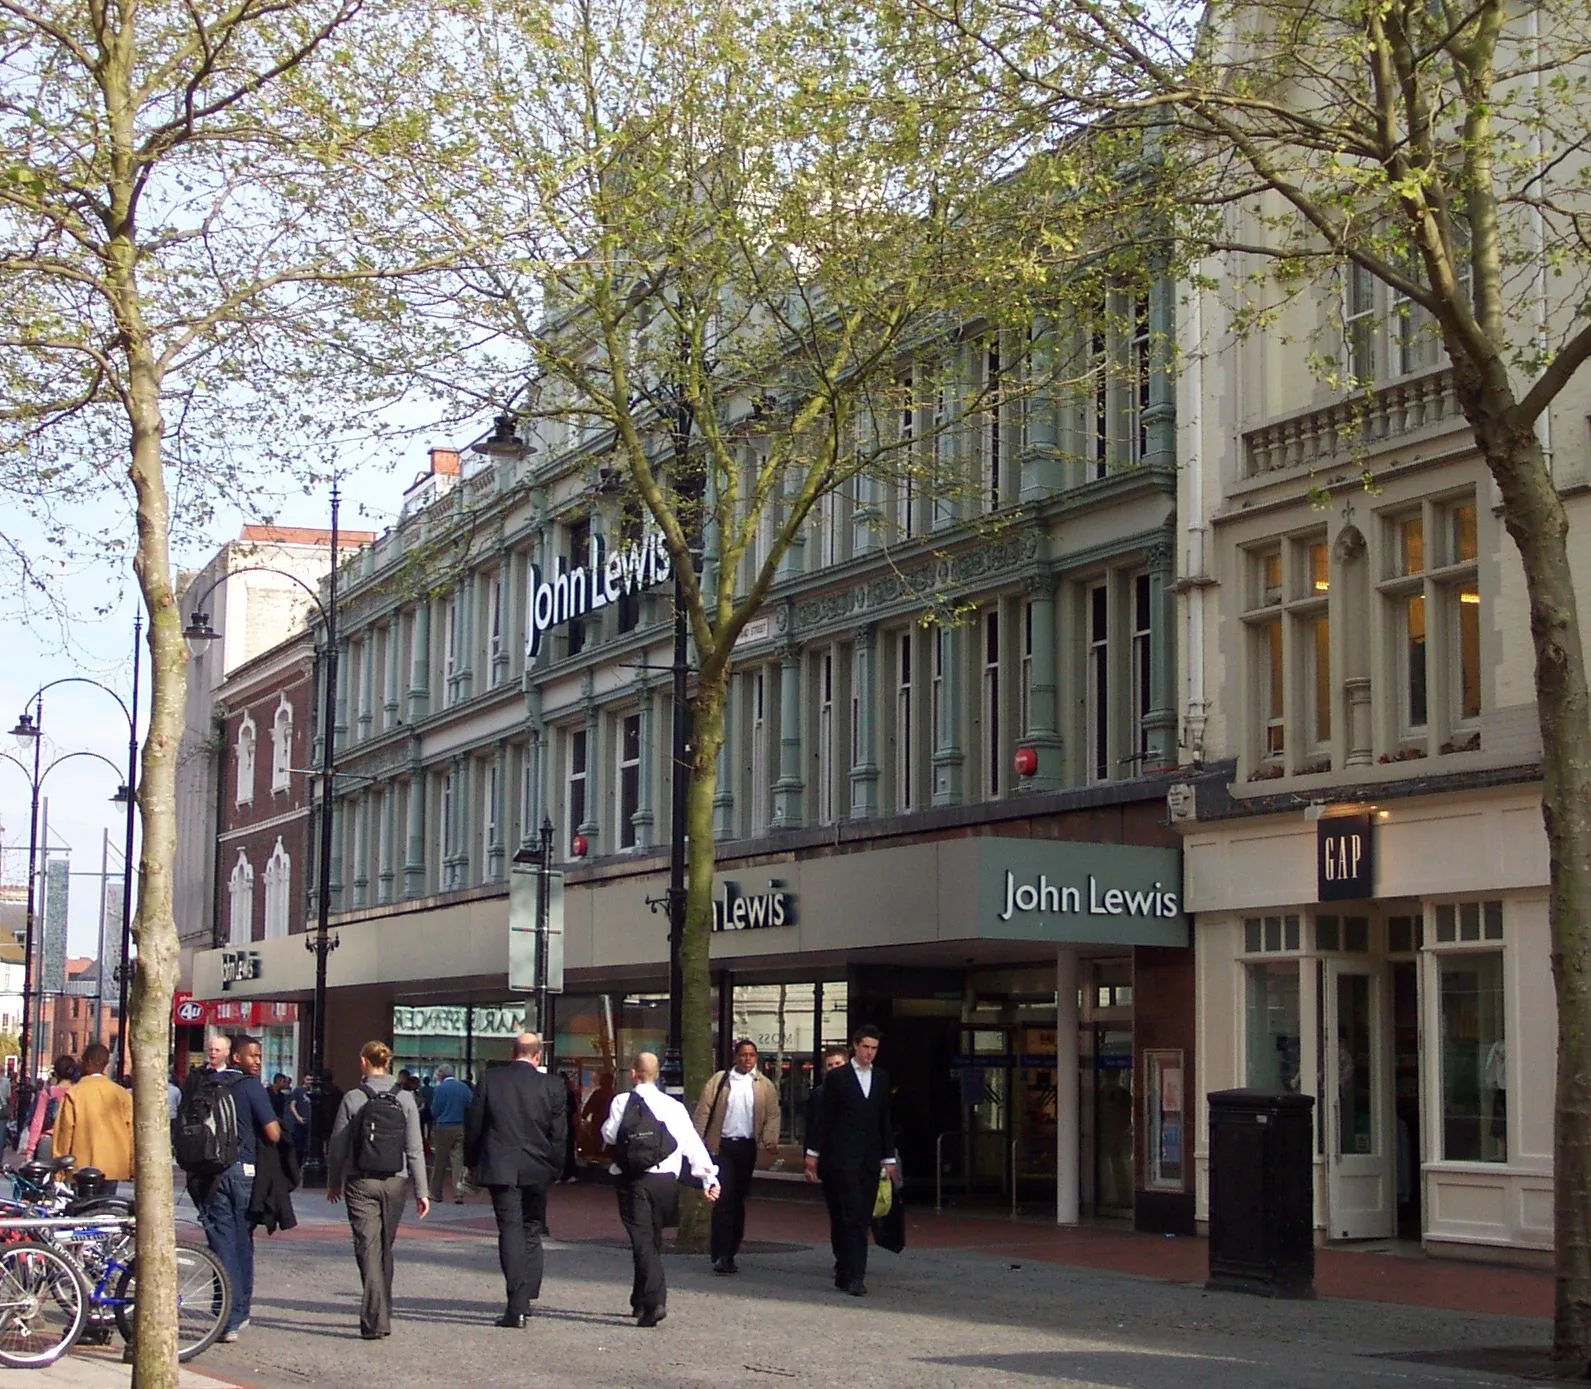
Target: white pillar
{"points": [[1067, 1140]]}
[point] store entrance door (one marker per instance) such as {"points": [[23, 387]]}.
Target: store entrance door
{"points": [[1113, 1114], [1360, 1188]]}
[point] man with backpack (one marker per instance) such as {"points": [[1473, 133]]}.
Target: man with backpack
{"points": [[652, 1136], [373, 1160], [224, 1117], [513, 1144]]}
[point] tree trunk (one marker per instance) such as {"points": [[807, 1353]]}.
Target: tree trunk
{"points": [[1534, 515], [696, 1045], [155, 930]]}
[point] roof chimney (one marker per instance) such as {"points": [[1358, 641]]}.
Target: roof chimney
{"points": [[445, 462]]}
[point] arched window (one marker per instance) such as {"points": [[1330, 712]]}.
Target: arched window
{"points": [[240, 887], [245, 759], [278, 886], [282, 745]]}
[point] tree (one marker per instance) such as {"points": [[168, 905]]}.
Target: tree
{"points": [[196, 223], [1442, 150], [758, 243]]}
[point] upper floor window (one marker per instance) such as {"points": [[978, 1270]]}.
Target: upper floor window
{"points": [[240, 891], [1099, 682], [1289, 635], [495, 635], [826, 736], [903, 500], [575, 804], [246, 740], [757, 700], [278, 891], [450, 661], [491, 817], [282, 745], [993, 749], [1385, 333], [629, 778]]}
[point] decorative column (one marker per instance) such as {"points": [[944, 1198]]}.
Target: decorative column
{"points": [[340, 707], [385, 875], [948, 759], [414, 849], [1042, 733], [494, 849], [361, 873], [463, 820], [1160, 415], [419, 693], [1041, 463], [1068, 1140], [590, 826], [335, 878], [501, 661], [464, 638], [389, 686], [724, 788], [1160, 721], [645, 816], [788, 788], [864, 756], [367, 681], [536, 802]]}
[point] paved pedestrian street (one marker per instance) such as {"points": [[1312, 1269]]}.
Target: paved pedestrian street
{"points": [[975, 1299]]}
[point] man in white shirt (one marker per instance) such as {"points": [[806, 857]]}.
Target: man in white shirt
{"points": [[737, 1111], [649, 1202]]}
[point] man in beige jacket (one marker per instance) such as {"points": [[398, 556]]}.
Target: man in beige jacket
{"points": [[738, 1110], [95, 1124]]}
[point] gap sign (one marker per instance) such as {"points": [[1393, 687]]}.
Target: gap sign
{"points": [[1344, 859]]}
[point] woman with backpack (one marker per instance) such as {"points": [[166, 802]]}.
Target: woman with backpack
{"points": [[374, 1160], [38, 1139]]}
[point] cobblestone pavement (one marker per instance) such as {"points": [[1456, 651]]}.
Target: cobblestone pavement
{"points": [[951, 1311]]}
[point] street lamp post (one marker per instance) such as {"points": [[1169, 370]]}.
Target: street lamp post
{"points": [[124, 967], [673, 1068], [322, 942], [543, 922]]}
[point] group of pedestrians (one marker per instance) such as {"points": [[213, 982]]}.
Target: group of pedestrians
{"points": [[513, 1141], [80, 1113]]}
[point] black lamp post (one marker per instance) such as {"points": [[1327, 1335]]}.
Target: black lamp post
{"points": [[322, 942], [29, 729]]}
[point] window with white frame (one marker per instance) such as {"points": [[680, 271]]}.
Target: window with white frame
{"points": [[1025, 690], [1137, 382], [491, 827], [449, 647], [1386, 335], [1288, 624], [1142, 673], [1098, 690], [244, 753], [989, 712], [905, 742], [936, 691], [904, 492], [282, 745], [825, 738], [1472, 1017], [278, 891], [240, 893], [575, 776], [446, 832], [993, 442], [494, 617], [1431, 591], [629, 779]]}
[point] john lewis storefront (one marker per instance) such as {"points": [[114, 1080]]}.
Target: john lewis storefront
{"points": [[1035, 996]]}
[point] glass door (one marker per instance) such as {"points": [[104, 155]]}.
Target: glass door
{"points": [[1360, 1187]]}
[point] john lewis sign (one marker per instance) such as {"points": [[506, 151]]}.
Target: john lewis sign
{"points": [[579, 590], [1059, 890]]}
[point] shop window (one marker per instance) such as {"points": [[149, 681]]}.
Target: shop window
{"points": [[1274, 1031], [1474, 1056], [1405, 934], [1270, 934], [1466, 923]]}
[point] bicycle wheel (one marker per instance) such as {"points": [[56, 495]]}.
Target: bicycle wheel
{"points": [[43, 1305], [204, 1300]]}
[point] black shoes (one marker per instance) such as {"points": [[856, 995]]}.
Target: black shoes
{"points": [[841, 1282], [516, 1321], [651, 1316], [856, 1287], [724, 1267]]}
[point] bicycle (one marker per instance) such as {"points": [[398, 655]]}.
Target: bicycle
{"points": [[48, 1309]]}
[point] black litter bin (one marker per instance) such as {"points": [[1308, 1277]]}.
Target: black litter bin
{"points": [[1262, 1227]]}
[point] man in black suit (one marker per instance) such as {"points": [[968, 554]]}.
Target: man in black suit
{"points": [[851, 1148], [514, 1146]]}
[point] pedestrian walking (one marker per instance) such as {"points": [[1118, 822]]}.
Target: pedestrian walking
{"points": [[513, 1145], [95, 1124], [173, 1098], [738, 1111], [373, 1160], [572, 1123], [852, 1149], [647, 1124], [296, 1119], [227, 1113], [450, 1104], [834, 1057], [38, 1135]]}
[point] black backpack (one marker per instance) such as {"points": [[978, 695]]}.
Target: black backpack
{"points": [[205, 1140], [643, 1141], [379, 1146]]}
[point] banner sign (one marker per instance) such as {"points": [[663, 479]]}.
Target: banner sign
{"points": [[57, 876]]}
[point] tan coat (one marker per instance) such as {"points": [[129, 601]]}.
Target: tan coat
{"points": [[95, 1125], [764, 1111]]}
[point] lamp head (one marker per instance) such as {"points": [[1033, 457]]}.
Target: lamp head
{"points": [[26, 730], [123, 796], [199, 634]]}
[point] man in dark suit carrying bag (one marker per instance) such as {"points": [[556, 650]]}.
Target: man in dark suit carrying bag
{"points": [[851, 1148], [514, 1145]]}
